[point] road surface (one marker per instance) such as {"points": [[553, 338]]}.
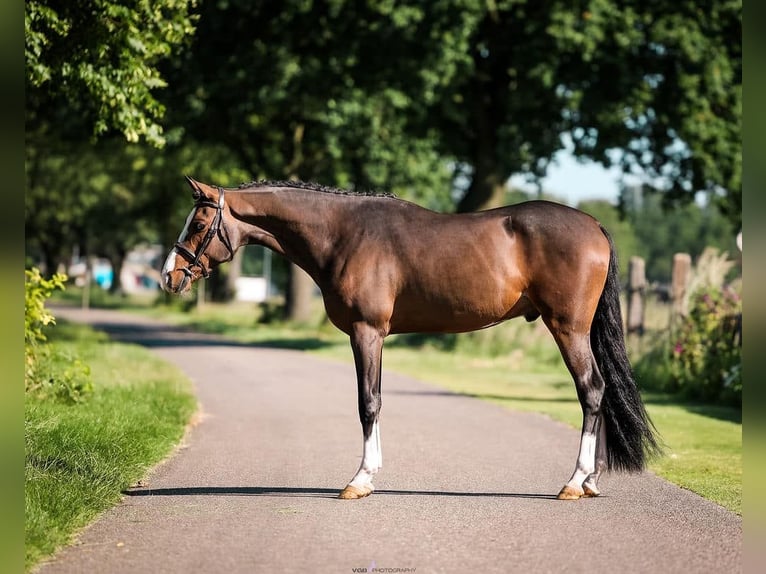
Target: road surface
{"points": [[466, 486]]}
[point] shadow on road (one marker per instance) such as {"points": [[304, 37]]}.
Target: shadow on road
{"points": [[291, 492], [154, 336], [485, 396]]}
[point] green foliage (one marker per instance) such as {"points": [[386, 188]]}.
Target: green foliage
{"points": [[706, 359], [108, 198], [48, 374], [98, 58], [382, 95], [37, 290], [332, 92], [667, 92], [700, 356], [653, 87], [661, 233], [60, 377], [80, 457]]}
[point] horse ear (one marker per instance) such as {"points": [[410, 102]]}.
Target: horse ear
{"points": [[196, 191]]}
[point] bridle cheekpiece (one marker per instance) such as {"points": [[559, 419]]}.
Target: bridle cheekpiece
{"points": [[217, 227]]}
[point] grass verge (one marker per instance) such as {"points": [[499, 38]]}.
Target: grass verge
{"points": [[79, 457]]}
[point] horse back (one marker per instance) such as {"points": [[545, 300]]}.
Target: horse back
{"points": [[415, 270]]}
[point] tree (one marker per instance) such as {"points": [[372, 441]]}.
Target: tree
{"points": [[652, 86], [661, 233], [389, 94], [91, 68], [386, 95], [315, 91], [108, 198], [84, 196], [95, 60]]}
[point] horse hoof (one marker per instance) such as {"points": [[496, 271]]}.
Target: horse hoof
{"points": [[353, 493], [590, 491], [569, 493]]}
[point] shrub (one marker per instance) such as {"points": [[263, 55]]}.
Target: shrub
{"points": [[700, 356], [48, 373], [37, 290], [706, 352]]}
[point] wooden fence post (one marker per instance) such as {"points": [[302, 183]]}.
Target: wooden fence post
{"points": [[636, 291]]}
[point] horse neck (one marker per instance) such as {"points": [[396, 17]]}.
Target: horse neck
{"points": [[292, 222]]}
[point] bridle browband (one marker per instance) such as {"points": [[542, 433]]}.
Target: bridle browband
{"points": [[217, 227]]}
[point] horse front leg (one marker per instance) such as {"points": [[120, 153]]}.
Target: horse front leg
{"points": [[367, 345]]}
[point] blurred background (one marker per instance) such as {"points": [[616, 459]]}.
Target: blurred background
{"points": [[627, 109], [630, 110]]}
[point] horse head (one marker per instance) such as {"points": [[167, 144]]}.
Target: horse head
{"points": [[203, 243]]}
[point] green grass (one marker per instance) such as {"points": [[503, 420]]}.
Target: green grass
{"points": [[79, 457], [703, 449]]}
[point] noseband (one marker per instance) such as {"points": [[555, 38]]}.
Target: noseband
{"points": [[217, 227]]}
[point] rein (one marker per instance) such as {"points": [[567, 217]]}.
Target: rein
{"points": [[217, 227]]}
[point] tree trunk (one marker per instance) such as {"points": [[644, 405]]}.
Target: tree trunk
{"points": [[487, 191], [50, 262], [487, 188], [300, 289], [117, 262]]}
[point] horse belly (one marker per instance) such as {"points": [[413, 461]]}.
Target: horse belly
{"points": [[454, 308], [471, 282]]}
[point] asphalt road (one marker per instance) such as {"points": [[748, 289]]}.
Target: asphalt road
{"points": [[466, 486]]}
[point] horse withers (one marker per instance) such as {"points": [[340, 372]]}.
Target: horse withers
{"points": [[387, 266]]}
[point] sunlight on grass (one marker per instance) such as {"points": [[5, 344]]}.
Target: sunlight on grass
{"points": [[80, 457]]}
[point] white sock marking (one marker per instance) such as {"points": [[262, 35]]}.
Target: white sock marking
{"points": [[586, 460], [372, 460]]}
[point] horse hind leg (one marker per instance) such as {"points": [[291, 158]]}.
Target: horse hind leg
{"points": [[591, 459], [590, 486]]}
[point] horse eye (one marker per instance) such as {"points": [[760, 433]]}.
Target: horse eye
{"points": [[199, 226]]}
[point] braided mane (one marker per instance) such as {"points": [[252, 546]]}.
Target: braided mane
{"points": [[311, 186]]}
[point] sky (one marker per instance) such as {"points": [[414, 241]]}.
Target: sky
{"points": [[573, 182]]}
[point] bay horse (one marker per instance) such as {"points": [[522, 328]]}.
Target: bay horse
{"points": [[386, 266]]}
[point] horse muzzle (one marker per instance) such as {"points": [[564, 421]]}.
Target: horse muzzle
{"points": [[177, 281]]}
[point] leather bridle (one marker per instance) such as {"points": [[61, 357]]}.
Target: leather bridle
{"points": [[217, 228]]}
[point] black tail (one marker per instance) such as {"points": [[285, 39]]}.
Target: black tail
{"points": [[630, 434]]}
